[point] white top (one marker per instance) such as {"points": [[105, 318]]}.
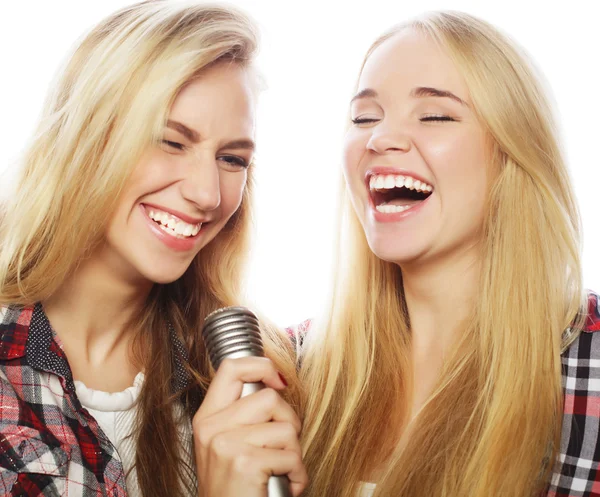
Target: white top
{"points": [[366, 489], [115, 413]]}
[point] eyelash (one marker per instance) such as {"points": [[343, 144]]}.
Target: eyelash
{"points": [[231, 159], [364, 120], [175, 145], [425, 119], [437, 117], [235, 160]]}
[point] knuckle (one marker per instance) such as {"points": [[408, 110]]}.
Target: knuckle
{"points": [[289, 431], [269, 363], [296, 460], [203, 433], [265, 364], [227, 367], [219, 446], [296, 424], [244, 462], [270, 398]]}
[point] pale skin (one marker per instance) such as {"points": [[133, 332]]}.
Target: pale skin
{"points": [[413, 116], [197, 173]]}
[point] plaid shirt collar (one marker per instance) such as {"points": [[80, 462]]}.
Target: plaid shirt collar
{"points": [[50, 444], [592, 322], [28, 335]]}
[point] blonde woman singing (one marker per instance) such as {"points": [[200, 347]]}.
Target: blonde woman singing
{"points": [[459, 356], [129, 225]]}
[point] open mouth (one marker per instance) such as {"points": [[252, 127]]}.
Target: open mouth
{"points": [[393, 193], [171, 224]]}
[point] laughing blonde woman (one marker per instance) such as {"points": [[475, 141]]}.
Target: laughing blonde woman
{"points": [[459, 354], [129, 225]]}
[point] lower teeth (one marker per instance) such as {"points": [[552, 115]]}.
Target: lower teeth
{"points": [[392, 209], [170, 231]]}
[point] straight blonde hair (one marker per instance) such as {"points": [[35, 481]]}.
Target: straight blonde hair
{"points": [[481, 433], [108, 107]]}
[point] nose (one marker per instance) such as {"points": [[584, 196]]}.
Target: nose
{"points": [[201, 185], [384, 140]]}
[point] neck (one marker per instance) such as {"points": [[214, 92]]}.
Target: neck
{"points": [[439, 297], [92, 309]]}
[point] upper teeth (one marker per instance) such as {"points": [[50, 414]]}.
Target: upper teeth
{"points": [[389, 181], [173, 225]]}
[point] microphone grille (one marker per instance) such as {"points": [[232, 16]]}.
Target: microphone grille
{"points": [[232, 332]]}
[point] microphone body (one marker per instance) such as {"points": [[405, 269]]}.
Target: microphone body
{"points": [[231, 333]]}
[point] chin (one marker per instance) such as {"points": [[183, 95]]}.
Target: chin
{"points": [[392, 252], [164, 275]]}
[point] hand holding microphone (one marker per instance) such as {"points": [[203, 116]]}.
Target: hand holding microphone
{"points": [[245, 434]]}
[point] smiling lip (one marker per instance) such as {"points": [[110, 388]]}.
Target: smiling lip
{"points": [[391, 170], [392, 217], [180, 215], [178, 244]]}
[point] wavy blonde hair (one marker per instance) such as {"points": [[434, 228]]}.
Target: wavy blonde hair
{"points": [[109, 105], [491, 427]]}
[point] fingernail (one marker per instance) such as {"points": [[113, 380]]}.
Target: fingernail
{"points": [[282, 378]]}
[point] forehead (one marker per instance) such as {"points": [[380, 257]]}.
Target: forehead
{"points": [[222, 96], [411, 59]]}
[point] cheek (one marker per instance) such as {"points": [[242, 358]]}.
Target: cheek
{"points": [[153, 173], [354, 148], [461, 170], [458, 159], [471, 165], [232, 190]]}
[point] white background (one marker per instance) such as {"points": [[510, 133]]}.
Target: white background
{"points": [[311, 53]]}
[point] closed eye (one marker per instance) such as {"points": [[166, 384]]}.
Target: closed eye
{"points": [[365, 120], [172, 144], [436, 117]]}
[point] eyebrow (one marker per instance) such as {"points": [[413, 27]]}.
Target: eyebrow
{"points": [[240, 144], [421, 91], [425, 91], [189, 133], [366, 93], [194, 137]]}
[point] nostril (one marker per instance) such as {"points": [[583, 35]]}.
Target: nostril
{"points": [[388, 144]]}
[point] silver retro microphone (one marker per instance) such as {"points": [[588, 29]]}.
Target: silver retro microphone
{"points": [[231, 333]]}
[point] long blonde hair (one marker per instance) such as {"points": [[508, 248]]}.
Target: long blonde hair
{"points": [[491, 427], [110, 104]]}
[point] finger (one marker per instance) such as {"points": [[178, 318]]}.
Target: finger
{"points": [[226, 386], [275, 435], [298, 488], [231, 459], [257, 465], [283, 462], [260, 407]]}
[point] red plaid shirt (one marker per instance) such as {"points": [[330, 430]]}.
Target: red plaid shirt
{"points": [[49, 444], [577, 472]]}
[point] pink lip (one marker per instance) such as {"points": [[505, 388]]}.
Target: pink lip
{"points": [[391, 170], [392, 217], [179, 215], [178, 244], [383, 217]]}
